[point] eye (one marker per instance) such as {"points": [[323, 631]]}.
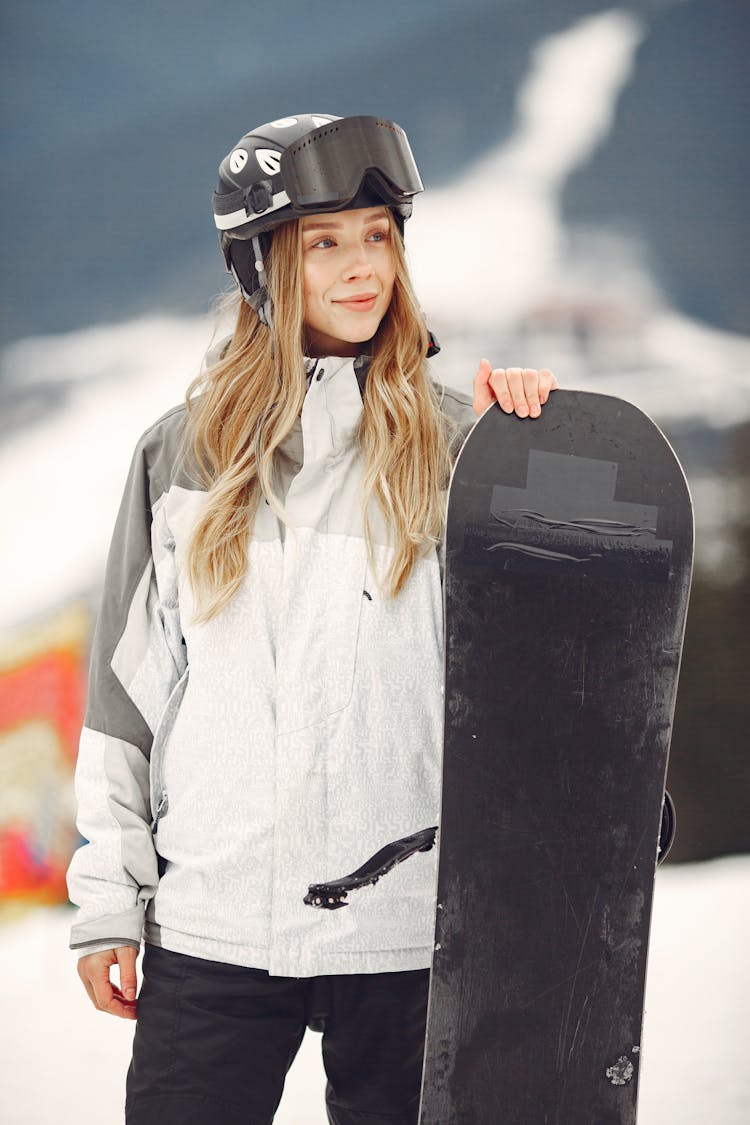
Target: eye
{"points": [[322, 243], [379, 235]]}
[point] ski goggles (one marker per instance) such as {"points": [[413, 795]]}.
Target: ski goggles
{"points": [[326, 168]]}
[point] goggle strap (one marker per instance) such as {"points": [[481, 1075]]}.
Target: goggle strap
{"points": [[231, 211]]}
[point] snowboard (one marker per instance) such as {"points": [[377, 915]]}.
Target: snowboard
{"points": [[568, 558]]}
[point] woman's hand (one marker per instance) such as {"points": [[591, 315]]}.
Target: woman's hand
{"points": [[94, 972], [519, 389]]}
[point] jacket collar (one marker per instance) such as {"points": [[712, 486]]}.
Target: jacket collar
{"points": [[360, 363]]}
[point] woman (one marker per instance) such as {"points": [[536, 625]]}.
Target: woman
{"points": [[265, 699]]}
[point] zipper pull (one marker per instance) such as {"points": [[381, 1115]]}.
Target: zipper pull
{"points": [[161, 809]]}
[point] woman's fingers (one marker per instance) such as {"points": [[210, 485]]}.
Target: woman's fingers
{"points": [[94, 972], [509, 385], [531, 391], [126, 959], [522, 390], [120, 1006]]}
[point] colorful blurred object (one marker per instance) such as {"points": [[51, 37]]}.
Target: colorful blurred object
{"points": [[42, 698]]}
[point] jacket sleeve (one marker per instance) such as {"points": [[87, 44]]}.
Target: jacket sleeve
{"points": [[137, 658], [458, 407]]}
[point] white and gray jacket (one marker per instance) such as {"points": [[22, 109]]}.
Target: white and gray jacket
{"points": [[225, 766]]}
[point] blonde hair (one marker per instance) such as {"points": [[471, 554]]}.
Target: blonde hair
{"points": [[242, 408]]}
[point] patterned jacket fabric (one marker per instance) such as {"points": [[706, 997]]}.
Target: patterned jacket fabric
{"points": [[224, 766]]}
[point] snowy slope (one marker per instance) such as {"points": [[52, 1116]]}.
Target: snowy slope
{"points": [[65, 1062], [61, 475]]}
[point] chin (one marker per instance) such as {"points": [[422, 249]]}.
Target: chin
{"points": [[367, 329], [357, 335], [363, 336]]}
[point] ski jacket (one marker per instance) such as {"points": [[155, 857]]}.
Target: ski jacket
{"points": [[224, 766]]}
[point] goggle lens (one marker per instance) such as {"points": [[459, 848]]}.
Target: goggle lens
{"points": [[327, 167]]}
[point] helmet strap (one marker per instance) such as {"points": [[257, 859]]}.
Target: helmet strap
{"points": [[260, 299]]}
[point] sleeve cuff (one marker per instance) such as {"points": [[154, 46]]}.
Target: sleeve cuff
{"points": [[101, 946], [109, 931]]}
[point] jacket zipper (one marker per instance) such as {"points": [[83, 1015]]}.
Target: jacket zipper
{"points": [[161, 809]]}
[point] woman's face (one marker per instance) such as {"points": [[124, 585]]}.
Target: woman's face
{"points": [[348, 271]]}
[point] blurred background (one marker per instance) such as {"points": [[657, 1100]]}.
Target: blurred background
{"points": [[586, 210]]}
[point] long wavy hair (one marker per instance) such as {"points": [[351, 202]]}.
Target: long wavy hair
{"points": [[241, 408]]}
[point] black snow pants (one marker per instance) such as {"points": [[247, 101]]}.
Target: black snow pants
{"points": [[213, 1043]]}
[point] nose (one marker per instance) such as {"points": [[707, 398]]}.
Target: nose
{"points": [[357, 264]]}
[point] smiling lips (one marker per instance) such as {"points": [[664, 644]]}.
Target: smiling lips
{"points": [[361, 303]]}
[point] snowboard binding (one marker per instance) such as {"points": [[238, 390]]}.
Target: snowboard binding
{"points": [[331, 896], [668, 828]]}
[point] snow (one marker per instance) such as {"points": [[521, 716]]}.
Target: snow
{"points": [[695, 1032], [694, 1057], [74, 461]]}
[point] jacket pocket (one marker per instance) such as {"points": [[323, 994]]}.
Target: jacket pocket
{"points": [[318, 630], [346, 596], [159, 800]]}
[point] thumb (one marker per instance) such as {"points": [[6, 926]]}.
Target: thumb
{"points": [[483, 374], [126, 958], [483, 395]]}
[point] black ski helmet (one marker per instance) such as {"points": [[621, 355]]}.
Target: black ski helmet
{"points": [[310, 163]]}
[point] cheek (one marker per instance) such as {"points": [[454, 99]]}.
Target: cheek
{"points": [[314, 287], [388, 275], [310, 298], [307, 299]]}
